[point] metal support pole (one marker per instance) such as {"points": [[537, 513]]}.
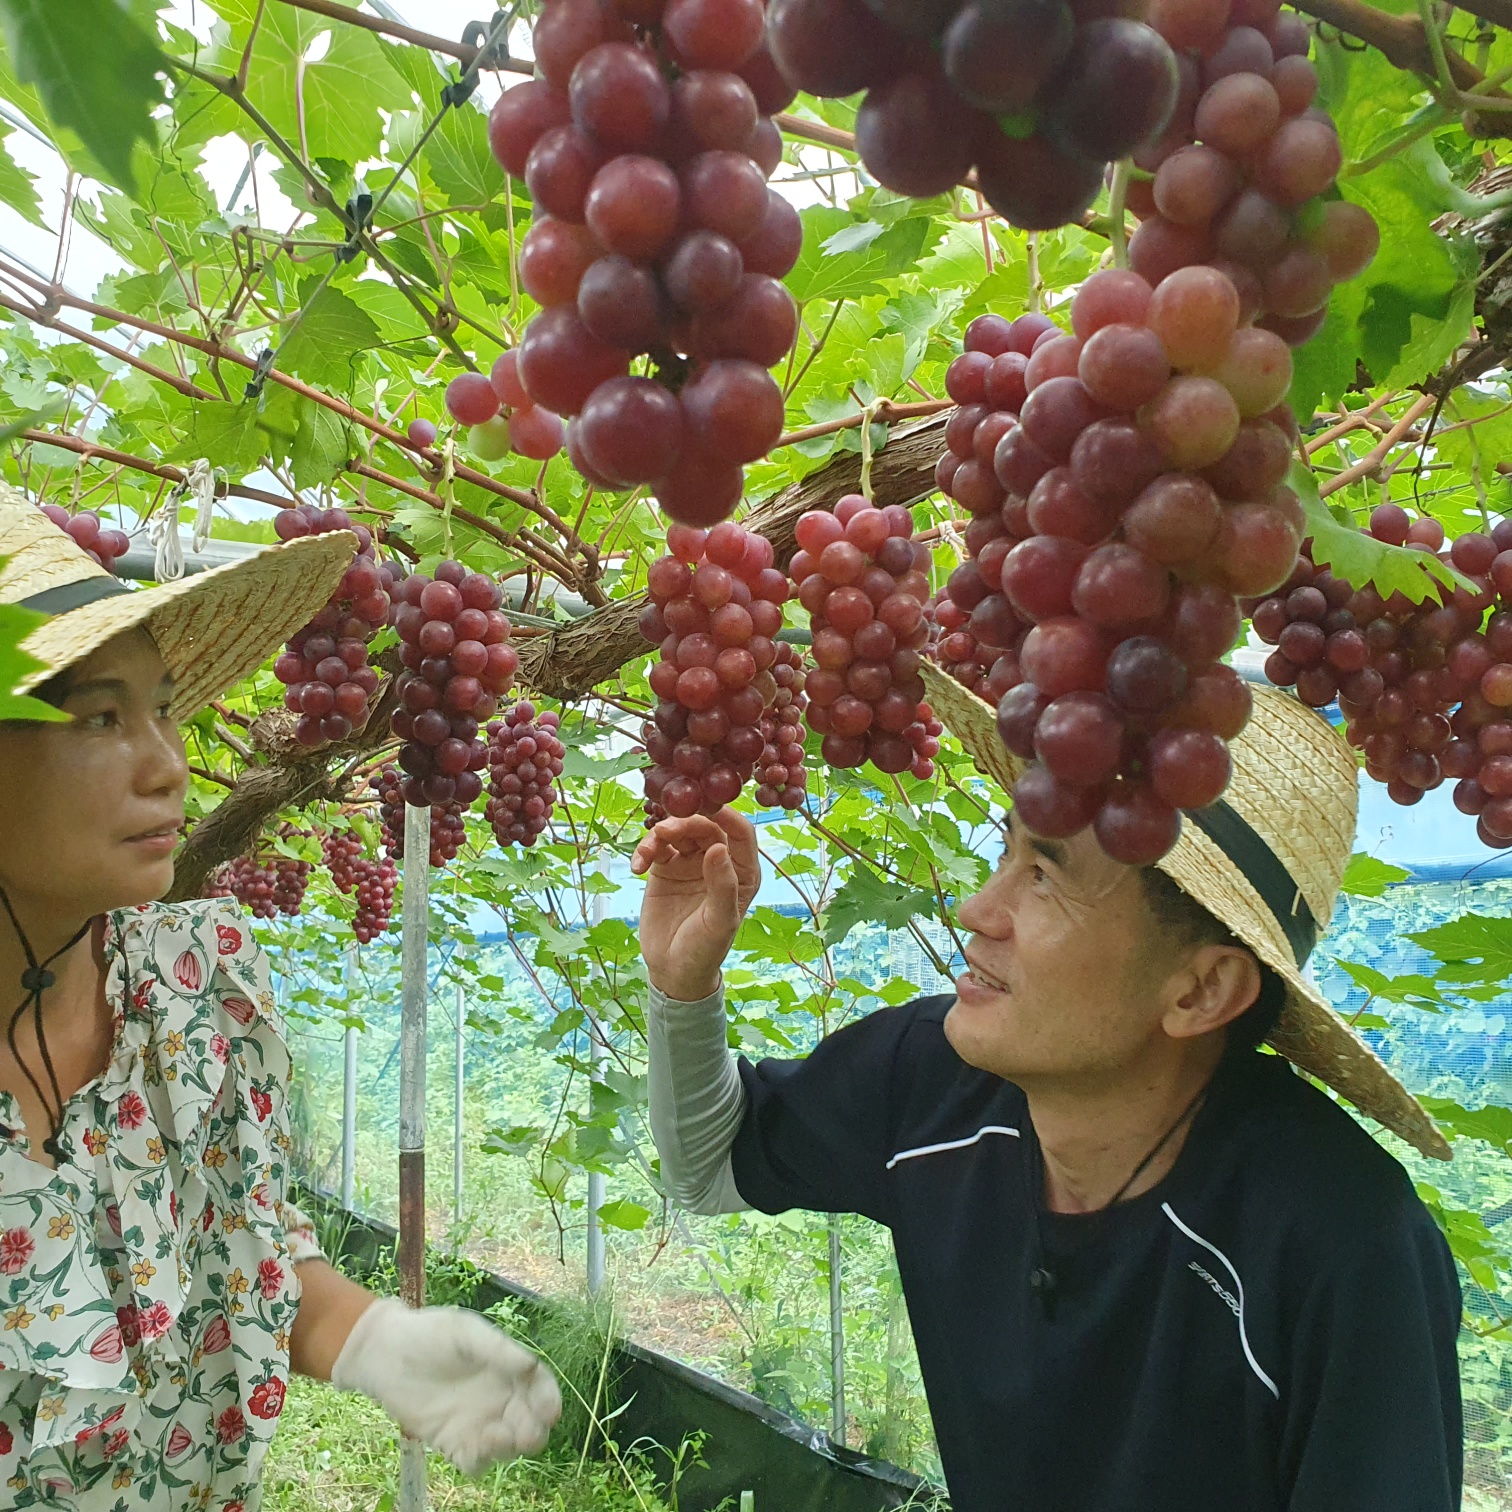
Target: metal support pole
{"points": [[415, 993], [349, 1102], [457, 1133], [599, 1053], [837, 1336]]}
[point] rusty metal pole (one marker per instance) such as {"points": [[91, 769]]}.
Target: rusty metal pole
{"points": [[415, 1002]]}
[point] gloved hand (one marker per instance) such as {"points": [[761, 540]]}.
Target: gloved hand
{"points": [[451, 1379]]}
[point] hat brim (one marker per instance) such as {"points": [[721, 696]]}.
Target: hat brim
{"points": [[1310, 1034], [212, 629]]}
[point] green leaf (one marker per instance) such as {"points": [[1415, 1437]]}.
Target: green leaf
{"points": [[1491, 1125], [95, 69], [460, 162], [1474, 948], [624, 1214], [1411, 990], [326, 344], [18, 188], [322, 444], [15, 664], [1358, 557], [870, 898], [1366, 877]]}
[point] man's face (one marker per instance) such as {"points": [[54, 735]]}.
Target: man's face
{"points": [[1064, 982]]}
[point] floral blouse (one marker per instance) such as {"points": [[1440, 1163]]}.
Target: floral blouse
{"points": [[147, 1286]]}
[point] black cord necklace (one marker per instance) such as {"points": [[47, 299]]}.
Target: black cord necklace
{"points": [[1043, 1280], [35, 980]]}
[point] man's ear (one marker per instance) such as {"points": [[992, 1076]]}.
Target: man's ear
{"points": [[1215, 985]]}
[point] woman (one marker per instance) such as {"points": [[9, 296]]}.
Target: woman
{"points": [[156, 1286]]}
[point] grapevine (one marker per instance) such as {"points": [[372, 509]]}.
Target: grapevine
{"points": [[646, 145]]}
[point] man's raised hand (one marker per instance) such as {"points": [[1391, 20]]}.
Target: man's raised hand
{"points": [[701, 876]]}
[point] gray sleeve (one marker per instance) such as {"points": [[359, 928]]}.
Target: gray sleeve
{"points": [[697, 1101]]}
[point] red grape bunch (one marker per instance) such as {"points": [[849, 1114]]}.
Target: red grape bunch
{"points": [[646, 147], [341, 849], [325, 672], [525, 759], [458, 663], [989, 381], [1142, 491], [715, 610], [782, 779], [448, 824], [1243, 174], [268, 886], [1430, 696], [863, 582], [373, 884], [500, 416], [1038, 95], [96, 540]]}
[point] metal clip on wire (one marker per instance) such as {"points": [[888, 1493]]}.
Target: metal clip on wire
{"points": [[260, 374]]}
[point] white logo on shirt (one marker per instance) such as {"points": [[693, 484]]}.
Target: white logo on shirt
{"points": [[1233, 1302]]}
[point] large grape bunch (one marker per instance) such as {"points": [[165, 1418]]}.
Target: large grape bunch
{"points": [[340, 850], [448, 822], [1244, 175], [373, 884], [864, 582], [458, 663], [268, 886], [500, 416], [1141, 492], [525, 756], [646, 147], [1038, 95], [1425, 689], [325, 672], [715, 610], [99, 542]]}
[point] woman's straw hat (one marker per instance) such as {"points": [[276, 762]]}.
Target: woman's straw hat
{"points": [[1289, 814], [211, 630]]}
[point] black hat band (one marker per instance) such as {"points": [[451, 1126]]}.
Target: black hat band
{"points": [[70, 596]]}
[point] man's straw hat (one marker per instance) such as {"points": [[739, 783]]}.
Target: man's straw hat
{"points": [[211, 630], [1267, 862]]}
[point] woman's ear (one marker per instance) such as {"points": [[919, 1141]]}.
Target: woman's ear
{"points": [[1213, 987]]}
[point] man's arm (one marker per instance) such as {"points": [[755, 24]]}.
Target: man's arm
{"points": [[1373, 1419]]}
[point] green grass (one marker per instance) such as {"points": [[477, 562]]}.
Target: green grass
{"points": [[339, 1452]]}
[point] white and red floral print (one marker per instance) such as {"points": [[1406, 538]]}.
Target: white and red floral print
{"points": [[148, 1285]]}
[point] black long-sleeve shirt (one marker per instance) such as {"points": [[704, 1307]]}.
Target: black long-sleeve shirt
{"points": [[1271, 1329]]}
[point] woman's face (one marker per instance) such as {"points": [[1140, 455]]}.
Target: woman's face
{"points": [[90, 810]]}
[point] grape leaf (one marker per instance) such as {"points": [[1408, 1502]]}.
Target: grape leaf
{"points": [[1356, 556], [1415, 991], [460, 161], [870, 898], [95, 70], [1474, 948], [18, 188], [326, 344], [1492, 1125], [1366, 877], [15, 625]]}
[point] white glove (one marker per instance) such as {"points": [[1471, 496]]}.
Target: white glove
{"points": [[451, 1379]]}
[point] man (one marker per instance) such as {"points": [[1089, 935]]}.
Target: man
{"points": [[1149, 1268]]}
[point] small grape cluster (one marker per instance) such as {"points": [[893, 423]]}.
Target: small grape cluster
{"points": [[1139, 493], [1425, 689], [325, 672], [448, 821], [1241, 174], [646, 146], [458, 663], [100, 543], [373, 884], [782, 779], [863, 582], [480, 402], [341, 850], [715, 610], [268, 886], [1038, 95], [524, 761]]}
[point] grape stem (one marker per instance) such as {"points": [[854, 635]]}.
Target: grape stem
{"points": [[1118, 200], [884, 410], [1351, 420], [1378, 453]]}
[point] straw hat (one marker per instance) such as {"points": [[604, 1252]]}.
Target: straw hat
{"points": [[1289, 818], [211, 630]]}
